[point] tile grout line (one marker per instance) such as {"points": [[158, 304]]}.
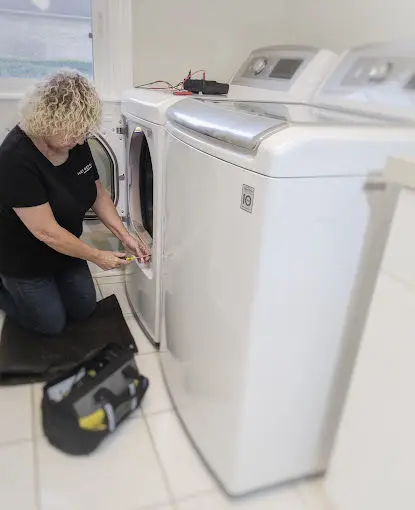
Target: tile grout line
{"points": [[15, 442], [409, 285], [36, 474], [102, 275], [108, 284], [111, 280], [196, 495], [145, 354], [302, 498], [158, 507], [97, 290], [150, 414], [127, 316], [172, 501]]}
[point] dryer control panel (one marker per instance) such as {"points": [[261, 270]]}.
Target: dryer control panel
{"points": [[291, 73], [378, 79]]}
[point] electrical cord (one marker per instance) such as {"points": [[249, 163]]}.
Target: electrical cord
{"points": [[168, 86], [157, 82]]}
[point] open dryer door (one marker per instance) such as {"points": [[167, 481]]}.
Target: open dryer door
{"points": [[108, 150], [108, 169], [141, 282], [124, 153]]}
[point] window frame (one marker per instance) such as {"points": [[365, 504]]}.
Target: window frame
{"points": [[111, 37]]}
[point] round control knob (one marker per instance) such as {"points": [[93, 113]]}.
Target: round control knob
{"points": [[380, 72], [258, 65]]}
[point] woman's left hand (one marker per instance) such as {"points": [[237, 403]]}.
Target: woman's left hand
{"points": [[138, 248]]}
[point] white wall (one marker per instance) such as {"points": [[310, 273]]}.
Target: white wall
{"points": [[339, 24], [172, 37]]}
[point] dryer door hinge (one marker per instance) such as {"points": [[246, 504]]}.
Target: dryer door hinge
{"points": [[121, 130]]}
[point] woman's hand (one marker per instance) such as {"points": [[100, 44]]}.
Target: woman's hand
{"points": [[107, 213], [138, 248], [107, 260]]}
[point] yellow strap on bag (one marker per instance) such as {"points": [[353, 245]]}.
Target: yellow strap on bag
{"points": [[94, 422]]}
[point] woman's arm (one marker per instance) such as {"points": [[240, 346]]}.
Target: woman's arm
{"points": [[43, 225], [107, 213]]}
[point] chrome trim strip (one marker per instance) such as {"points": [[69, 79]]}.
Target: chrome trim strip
{"points": [[238, 128]]}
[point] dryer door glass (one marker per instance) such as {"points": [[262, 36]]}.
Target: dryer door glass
{"points": [[106, 164], [140, 198]]}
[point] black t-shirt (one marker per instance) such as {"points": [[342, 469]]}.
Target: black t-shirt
{"points": [[27, 179]]}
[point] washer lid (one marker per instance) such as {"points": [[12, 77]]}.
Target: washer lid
{"points": [[246, 124], [226, 121]]}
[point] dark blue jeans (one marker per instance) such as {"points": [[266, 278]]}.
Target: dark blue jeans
{"points": [[45, 304]]}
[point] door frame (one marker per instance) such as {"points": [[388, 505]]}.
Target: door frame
{"points": [[90, 215], [112, 137]]}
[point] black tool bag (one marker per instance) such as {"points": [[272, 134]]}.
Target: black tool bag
{"points": [[81, 408]]}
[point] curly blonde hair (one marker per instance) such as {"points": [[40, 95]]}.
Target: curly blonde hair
{"points": [[66, 105]]}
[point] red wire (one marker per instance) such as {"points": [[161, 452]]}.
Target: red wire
{"points": [[171, 87], [191, 76], [197, 72]]}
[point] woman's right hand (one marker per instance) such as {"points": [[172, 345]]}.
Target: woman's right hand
{"points": [[107, 260]]}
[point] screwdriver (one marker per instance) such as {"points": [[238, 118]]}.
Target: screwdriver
{"points": [[130, 258]]}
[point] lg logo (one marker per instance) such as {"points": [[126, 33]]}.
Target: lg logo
{"points": [[247, 198]]}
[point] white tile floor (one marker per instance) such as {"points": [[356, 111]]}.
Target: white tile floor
{"points": [[148, 464]]}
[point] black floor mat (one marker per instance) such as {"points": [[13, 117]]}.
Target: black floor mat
{"points": [[27, 357]]}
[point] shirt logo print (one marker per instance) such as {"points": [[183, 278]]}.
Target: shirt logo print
{"points": [[85, 170]]}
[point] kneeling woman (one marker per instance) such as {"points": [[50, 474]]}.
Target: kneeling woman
{"points": [[48, 180]]}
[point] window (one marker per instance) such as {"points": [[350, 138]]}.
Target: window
{"points": [[38, 37]]}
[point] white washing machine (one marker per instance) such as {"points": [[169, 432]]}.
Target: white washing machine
{"points": [[289, 73], [269, 208]]}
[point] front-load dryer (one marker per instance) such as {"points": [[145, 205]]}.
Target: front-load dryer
{"points": [[269, 210], [278, 73]]}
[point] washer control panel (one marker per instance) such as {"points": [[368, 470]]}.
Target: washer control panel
{"points": [[288, 69], [273, 68], [275, 63], [378, 78]]}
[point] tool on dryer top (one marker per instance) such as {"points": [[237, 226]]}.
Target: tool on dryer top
{"points": [[189, 85], [81, 408], [203, 86]]}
